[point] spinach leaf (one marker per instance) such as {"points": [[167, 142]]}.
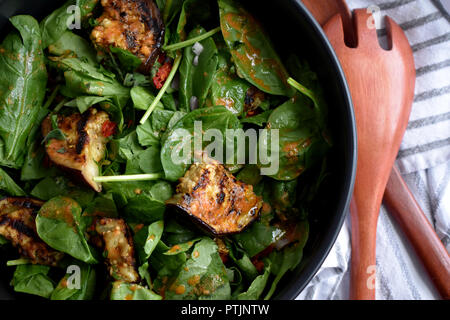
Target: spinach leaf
{"points": [[143, 98], [146, 161], [170, 9], [33, 167], [85, 102], [23, 80], [161, 190], [283, 195], [227, 89], [193, 12], [196, 79], [144, 209], [146, 135], [127, 60], [253, 53], [85, 79], [147, 238], [203, 276], [257, 286], [58, 224], [127, 291], [51, 187], [301, 143], [283, 261], [54, 25], [126, 190], [176, 138], [182, 247], [175, 233], [125, 148], [87, 283], [258, 237], [9, 186], [259, 120], [250, 174], [71, 44], [3, 241], [33, 279], [166, 266], [242, 260]]}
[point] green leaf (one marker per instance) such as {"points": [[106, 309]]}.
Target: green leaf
{"points": [[70, 43], [253, 53], [51, 187], [33, 279], [301, 144], [282, 262], [144, 209], [85, 102], [260, 119], [258, 237], [195, 80], [203, 276], [23, 80], [143, 98], [146, 161], [127, 60], [228, 89], [87, 285], [58, 223], [147, 238], [54, 25], [9, 186], [257, 286], [182, 132], [127, 291], [182, 247], [85, 79], [161, 191]]}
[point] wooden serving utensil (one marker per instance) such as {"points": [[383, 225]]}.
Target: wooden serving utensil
{"points": [[398, 198]]}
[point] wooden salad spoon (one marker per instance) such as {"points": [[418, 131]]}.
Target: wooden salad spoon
{"points": [[381, 122]]}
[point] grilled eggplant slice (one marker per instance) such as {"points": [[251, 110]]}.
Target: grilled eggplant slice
{"points": [[213, 197], [18, 225], [84, 145], [132, 25], [119, 249]]}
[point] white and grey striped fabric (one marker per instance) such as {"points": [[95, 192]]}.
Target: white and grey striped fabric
{"points": [[424, 160]]}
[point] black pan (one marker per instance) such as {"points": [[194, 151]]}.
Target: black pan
{"points": [[293, 30]]}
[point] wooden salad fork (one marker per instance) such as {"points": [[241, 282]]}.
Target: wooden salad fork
{"points": [[382, 86]]}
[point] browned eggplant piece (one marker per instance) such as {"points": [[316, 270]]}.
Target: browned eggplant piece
{"points": [[132, 25], [213, 197], [84, 146], [119, 249], [18, 225]]}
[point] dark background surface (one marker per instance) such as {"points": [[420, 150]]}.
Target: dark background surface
{"points": [[293, 30]]}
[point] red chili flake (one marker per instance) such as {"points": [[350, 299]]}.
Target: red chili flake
{"points": [[162, 74], [223, 256], [129, 123], [108, 128], [257, 260]]}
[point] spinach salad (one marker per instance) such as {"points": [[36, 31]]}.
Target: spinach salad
{"points": [[94, 101]]}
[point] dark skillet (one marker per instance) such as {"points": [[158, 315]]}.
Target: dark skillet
{"points": [[293, 30]]}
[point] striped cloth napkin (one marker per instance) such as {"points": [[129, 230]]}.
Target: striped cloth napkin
{"points": [[424, 160]]}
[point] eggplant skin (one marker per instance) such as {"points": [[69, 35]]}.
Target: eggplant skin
{"points": [[132, 25], [84, 146], [18, 225], [213, 197], [119, 249]]}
